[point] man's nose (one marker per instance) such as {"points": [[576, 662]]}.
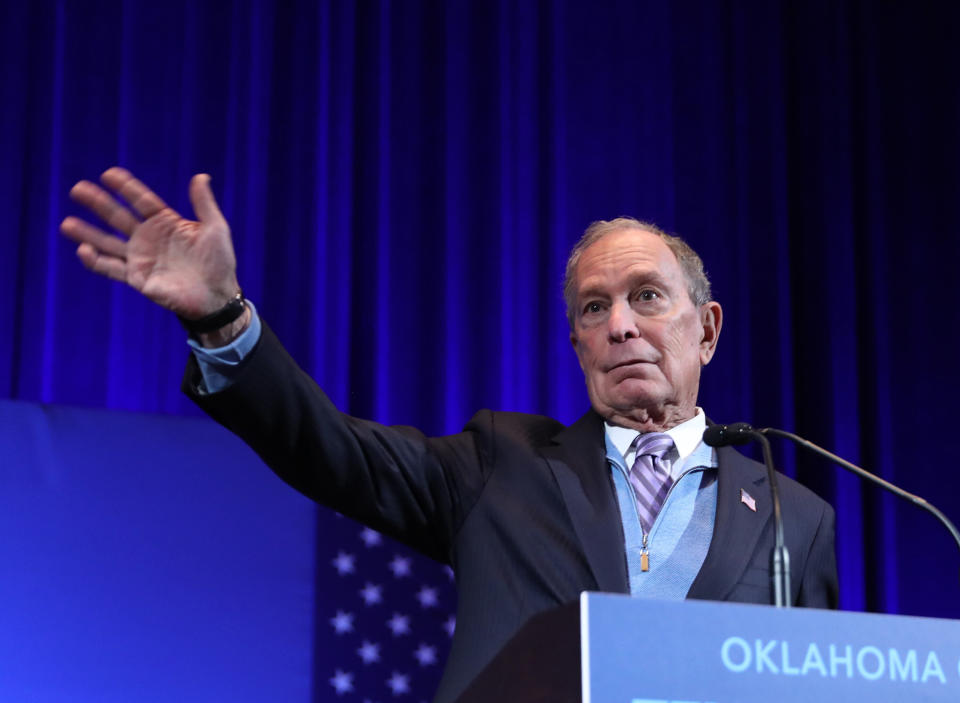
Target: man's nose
{"points": [[622, 323]]}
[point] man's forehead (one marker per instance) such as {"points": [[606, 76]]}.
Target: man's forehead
{"points": [[628, 250]]}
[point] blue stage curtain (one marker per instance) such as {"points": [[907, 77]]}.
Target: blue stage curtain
{"points": [[404, 181]]}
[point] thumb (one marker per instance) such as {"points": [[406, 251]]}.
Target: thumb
{"points": [[204, 204]]}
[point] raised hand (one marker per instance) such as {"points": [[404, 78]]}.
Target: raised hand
{"points": [[184, 265]]}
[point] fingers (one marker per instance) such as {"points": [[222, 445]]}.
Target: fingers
{"points": [[105, 265], [204, 204], [101, 203], [99, 251], [81, 232], [141, 198]]}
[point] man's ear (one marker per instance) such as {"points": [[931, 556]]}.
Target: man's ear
{"points": [[711, 320], [576, 347]]}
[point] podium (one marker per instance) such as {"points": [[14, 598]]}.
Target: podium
{"points": [[618, 649]]}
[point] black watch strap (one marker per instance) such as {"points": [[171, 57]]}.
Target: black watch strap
{"points": [[215, 320]]}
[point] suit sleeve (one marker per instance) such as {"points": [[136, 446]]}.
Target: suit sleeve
{"points": [[396, 480], [819, 586]]}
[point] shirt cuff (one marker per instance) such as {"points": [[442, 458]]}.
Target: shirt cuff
{"points": [[219, 366]]}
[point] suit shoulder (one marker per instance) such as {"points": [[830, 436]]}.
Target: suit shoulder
{"points": [[793, 490], [525, 428]]}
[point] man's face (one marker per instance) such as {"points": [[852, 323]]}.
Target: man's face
{"points": [[639, 337]]}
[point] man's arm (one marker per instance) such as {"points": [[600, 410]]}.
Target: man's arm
{"points": [[394, 479], [414, 488], [819, 587]]}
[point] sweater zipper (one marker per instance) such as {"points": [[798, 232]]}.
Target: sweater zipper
{"points": [[644, 551]]}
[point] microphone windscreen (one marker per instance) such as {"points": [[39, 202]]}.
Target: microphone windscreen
{"points": [[713, 436], [725, 435]]}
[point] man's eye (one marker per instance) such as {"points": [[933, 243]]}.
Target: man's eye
{"points": [[592, 308], [648, 295]]}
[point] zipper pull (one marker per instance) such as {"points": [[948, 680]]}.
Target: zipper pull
{"points": [[644, 556]]}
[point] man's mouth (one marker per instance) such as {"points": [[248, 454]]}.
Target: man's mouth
{"points": [[628, 362]]}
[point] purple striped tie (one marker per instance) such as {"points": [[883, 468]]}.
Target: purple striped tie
{"points": [[650, 475]]}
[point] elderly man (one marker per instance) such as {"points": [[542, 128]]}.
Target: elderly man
{"points": [[528, 512]]}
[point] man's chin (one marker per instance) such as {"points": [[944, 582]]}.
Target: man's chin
{"points": [[633, 392], [628, 398], [637, 371]]}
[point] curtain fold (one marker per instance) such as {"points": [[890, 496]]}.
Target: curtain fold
{"points": [[404, 180]]}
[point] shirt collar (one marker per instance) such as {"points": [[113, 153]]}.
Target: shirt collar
{"points": [[686, 436]]}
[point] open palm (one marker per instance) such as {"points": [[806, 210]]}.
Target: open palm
{"points": [[184, 265]]}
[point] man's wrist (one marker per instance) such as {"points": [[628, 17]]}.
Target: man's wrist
{"points": [[228, 333], [220, 365], [218, 319]]}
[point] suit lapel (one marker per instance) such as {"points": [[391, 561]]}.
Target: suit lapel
{"points": [[577, 458], [737, 528]]}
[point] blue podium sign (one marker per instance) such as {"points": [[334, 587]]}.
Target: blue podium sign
{"points": [[635, 650]]}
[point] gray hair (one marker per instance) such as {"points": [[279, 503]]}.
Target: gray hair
{"points": [[698, 285]]}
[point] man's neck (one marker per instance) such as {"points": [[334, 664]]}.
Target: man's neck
{"points": [[686, 436], [646, 421]]}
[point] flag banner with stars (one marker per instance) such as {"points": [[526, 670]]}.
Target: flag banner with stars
{"points": [[385, 616]]}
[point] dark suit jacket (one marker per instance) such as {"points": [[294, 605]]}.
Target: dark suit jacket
{"points": [[521, 506]]}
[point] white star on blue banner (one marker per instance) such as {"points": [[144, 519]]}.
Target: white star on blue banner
{"points": [[385, 617]]}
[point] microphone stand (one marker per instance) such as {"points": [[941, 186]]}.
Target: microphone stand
{"points": [[741, 433], [779, 557]]}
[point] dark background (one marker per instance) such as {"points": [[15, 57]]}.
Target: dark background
{"points": [[404, 181]]}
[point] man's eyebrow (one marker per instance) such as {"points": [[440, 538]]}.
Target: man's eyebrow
{"points": [[650, 276], [592, 291], [637, 278]]}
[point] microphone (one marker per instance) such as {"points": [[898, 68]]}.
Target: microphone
{"points": [[741, 433], [726, 435]]}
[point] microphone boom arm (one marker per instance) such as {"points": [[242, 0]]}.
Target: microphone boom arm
{"points": [[863, 473]]}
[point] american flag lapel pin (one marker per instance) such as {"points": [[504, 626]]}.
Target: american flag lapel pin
{"points": [[748, 500]]}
